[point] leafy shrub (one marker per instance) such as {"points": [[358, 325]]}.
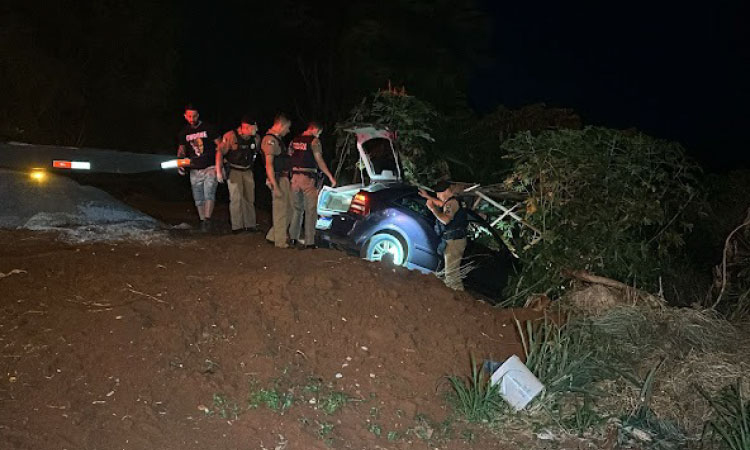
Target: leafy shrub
{"points": [[606, 201], [412, 121]]}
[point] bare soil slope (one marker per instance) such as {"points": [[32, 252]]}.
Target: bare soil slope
{"points": [[110, 346]]}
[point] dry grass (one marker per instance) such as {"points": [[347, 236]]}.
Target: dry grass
{"points": [[643, 369], [699, 348], [593, 300], [676, 395], [673, 331]]}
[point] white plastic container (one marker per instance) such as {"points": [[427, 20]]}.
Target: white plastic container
{"points": [[518, 386]]}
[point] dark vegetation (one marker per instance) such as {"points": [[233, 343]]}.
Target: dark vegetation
{"points": [[117, 74], [615, 203], [113, 74]]}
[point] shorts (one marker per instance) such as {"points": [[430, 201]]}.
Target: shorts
{"points": [[204, 183]]}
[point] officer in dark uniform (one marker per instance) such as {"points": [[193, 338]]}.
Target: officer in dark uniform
{"points": [[450, 225], [306, 159], [278, 172], [239, 147]]}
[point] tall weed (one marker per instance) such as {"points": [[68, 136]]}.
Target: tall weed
{"points": [[732, 421], [474, 398]]}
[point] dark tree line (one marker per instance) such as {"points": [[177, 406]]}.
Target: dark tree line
{"points": [[116, 74], [86, 73]]}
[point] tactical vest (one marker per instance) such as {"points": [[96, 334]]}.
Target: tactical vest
{"points": [[244, 157], [302, 154], [456, 228], [281, 162]]}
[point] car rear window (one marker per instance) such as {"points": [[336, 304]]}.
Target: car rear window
{"points": [[381, 155]]}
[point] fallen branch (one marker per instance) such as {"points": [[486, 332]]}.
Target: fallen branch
{"points": [[508, 211], [669, 224], [595, 279], [587, 277], [724, 259], [503, 215]]}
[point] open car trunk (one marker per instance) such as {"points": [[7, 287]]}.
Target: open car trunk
{"points": [[378, 168]]}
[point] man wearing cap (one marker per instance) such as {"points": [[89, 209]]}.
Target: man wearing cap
{"points": [[307, 158], [239, 147], [198, 141], [451, 227], [278, 172]]}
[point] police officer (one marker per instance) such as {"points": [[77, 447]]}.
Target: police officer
{"points": [[278, 172], [307, 158], [239, 148], [451, 227]]}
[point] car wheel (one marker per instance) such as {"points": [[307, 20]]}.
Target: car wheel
{"points": [[386, 247]]}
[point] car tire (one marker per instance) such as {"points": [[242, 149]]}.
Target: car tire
{"points": [[386, 247]]}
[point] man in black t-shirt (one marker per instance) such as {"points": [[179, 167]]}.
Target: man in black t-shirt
{"points": [[198, 141]]}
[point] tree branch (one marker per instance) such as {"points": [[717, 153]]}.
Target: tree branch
{"points": [[587, 277], [724, 259], [664, 228]]}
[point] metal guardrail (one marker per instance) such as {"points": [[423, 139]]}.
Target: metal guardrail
{"points": [[21, 156]]}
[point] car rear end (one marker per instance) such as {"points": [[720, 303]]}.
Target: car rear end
{"points": [[384, 224], [348, 230]]}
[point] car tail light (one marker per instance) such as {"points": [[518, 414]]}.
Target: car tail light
{"points": [[360, 204]]}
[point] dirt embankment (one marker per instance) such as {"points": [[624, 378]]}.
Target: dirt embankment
{"points": [[107, 346]]}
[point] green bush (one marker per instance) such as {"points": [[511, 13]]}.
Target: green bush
{"points": [[610, 202], [412, 121]]}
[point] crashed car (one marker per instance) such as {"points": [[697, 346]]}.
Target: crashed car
{"points": [[378, 169], [384, 219]]}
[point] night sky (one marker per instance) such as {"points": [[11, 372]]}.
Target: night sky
{"points": [[678, 72], [673, 71]]}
